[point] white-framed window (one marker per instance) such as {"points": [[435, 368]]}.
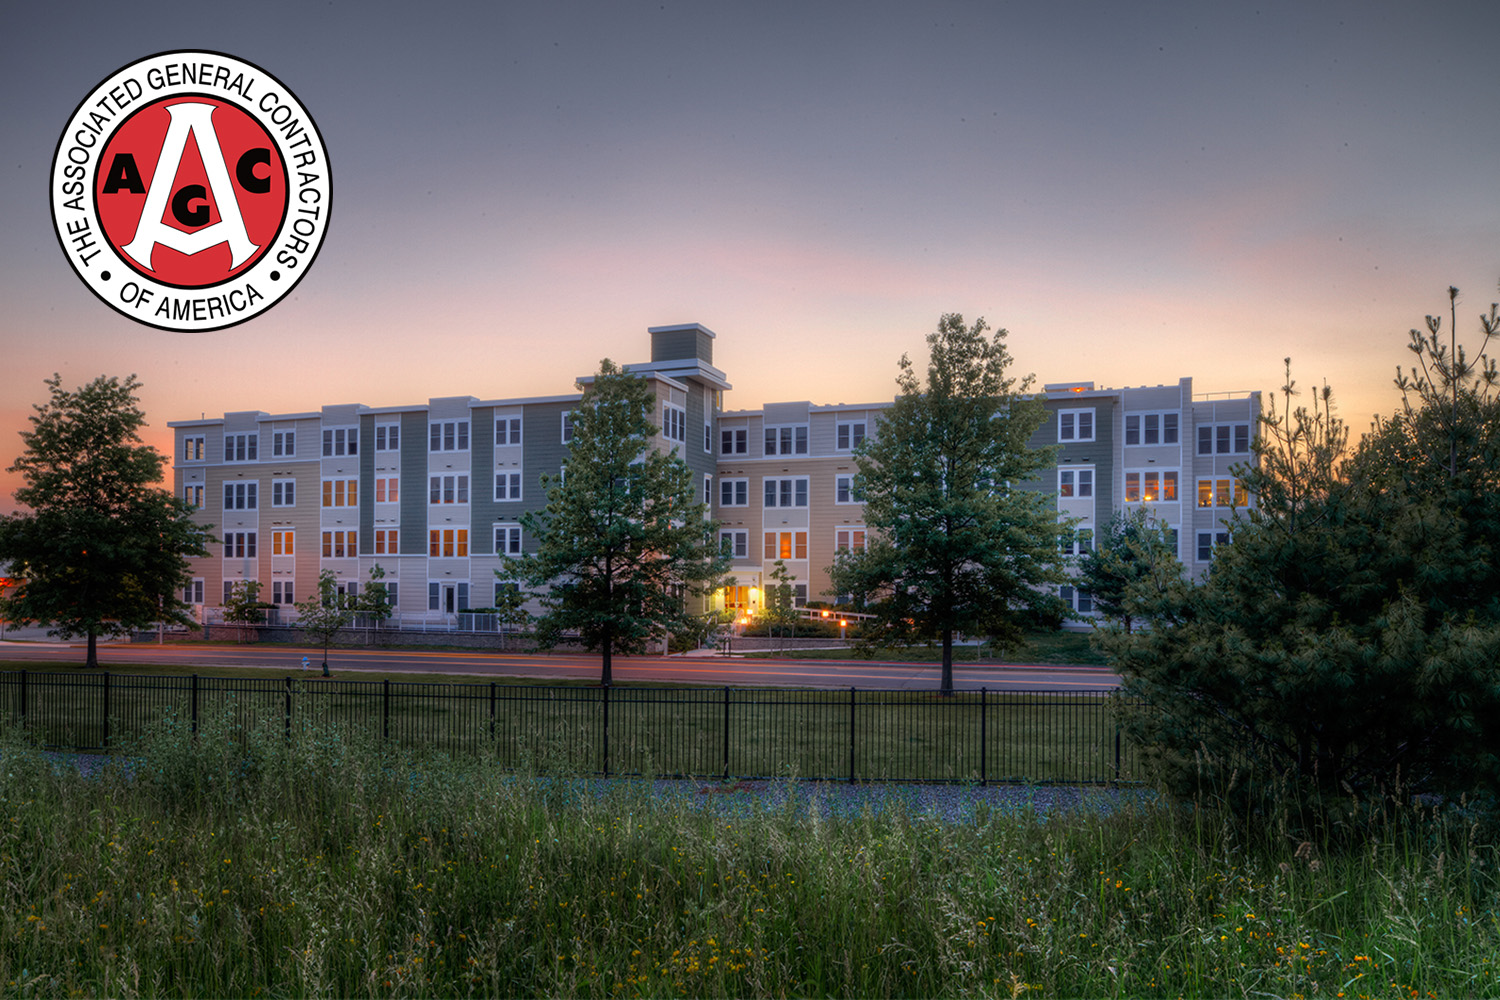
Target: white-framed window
{"points": [[192, 593], [192, 451], [1075, 425], [387, 542], [674, 422], [789, 440], [239, 545], [1151, 486], [1224, 439], [340, 441], [1208, 541], [1222, 491], [1075, 482], [283, 444], [734, 441], [193, 494], [387, 437], [448, 489], [447, 595], [567, 426], [282, 592], [788, 492], [283, 542], [387, 489], [735, 543], [1151, 428], [708, 437], [283, 493], [448, 435], [241, 447], [1081, 540], [507, 539], [1077, 598], [507, 485], [507, 431], [503, 590], [734, 493], [708, 490], [341, 493], [844, 490], [340, 544], [448, 543], [241, 495], [849, 435], [786, 545], [850, 538]]}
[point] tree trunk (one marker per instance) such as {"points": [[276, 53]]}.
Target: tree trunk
{"points": [[606, 678], [947, 682], [92, 660]]}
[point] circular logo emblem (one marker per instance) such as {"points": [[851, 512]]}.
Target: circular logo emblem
{"points": [[191, 191]]}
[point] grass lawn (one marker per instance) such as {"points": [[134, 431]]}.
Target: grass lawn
{"points": [[1054, 648]]}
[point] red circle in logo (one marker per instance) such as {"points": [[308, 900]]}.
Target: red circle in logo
{"points": [[191, 190]]}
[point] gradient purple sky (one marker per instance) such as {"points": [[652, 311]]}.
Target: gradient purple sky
{"points": [[1137, 191]]}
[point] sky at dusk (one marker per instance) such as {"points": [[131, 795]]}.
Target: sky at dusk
{"points": [[1137, 191]]}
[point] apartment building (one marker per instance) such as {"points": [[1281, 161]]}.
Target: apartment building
{"points": [[434, 493]]}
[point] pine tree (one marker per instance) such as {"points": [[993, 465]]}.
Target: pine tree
{"points": [[623, 539], [1133, 555], [103, 548], [957, 545]]}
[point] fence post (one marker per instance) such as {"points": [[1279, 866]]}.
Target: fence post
{"points": [[726, 731], [288, 707], [851, 735], [23, 699], [106, 711], [385, 698], [606, 731], [193, 705], [984, 742]]}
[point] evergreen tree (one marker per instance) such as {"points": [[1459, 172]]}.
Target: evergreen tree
{"points": [[103, 549], [1133, 554], [956, 544], [623, 538]]}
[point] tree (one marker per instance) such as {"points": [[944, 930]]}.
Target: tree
{"points": [[324, 613], [623, 536], [1133, 554], [957, 544], [243, 606], [780, 613], [374, 602], [510, 609], [102, 549]]}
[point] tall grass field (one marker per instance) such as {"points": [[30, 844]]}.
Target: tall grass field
{"points": [[246, 863]]}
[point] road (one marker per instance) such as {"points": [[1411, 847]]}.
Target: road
{"points": [[712, 670]]}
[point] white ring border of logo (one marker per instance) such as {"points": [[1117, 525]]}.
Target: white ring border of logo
{"points": [[310, 186]]}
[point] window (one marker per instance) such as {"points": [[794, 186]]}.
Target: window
{"points": [[507, 431], [392, 592], [283, 543], [240, 496], [193, 494], [448, 543], [239, 545], [1223, 439], [192, 593], [1151, 428], [708, 436], [340, 544], [735, 543], [340, 441], [507, 486], [786, 440], [508, 539], [387, 541], [734, 493], [281, 592], [1079, 600], [786, 545], [786, 492], [850, 435], [1075, 482], [1208, 541], [241, 447], [387, 489], [341, 493], [674, 423], [448, 489], [1079, 542], [1223, 492], [283, 493], [283, 444], [708, 490], [734, 442], [387, 437], [1075, 425], [504, 591], [448, 435], [567, 426], [849, 540], [1151, 487], [192, 451]]}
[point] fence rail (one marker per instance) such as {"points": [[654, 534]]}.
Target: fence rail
{"points": [[845, 735]]}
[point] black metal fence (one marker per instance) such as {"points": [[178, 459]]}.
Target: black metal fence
{"points": [[846, 735]]}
